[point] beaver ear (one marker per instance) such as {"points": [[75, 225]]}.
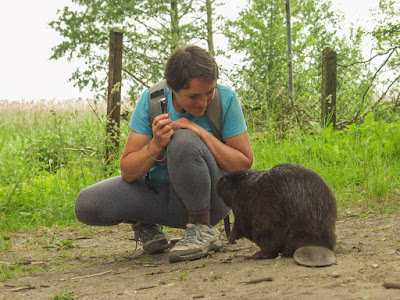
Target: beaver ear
{"points": [[232, 181]]}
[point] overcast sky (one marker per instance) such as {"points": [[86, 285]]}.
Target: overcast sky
{"points": [[28, 74]]}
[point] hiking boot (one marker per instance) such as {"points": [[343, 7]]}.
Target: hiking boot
{"points": [[198, 240], [151, 237]]}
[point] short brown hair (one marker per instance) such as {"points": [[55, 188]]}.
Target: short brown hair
{"points": [[190, 62]]}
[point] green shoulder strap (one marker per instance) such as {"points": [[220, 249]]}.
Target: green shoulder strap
{"points": [[214, 115], [214, 109]]}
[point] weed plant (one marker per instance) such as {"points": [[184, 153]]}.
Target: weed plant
{"points": [[49, 152]]}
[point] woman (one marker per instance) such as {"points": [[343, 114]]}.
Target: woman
{"points": [[170, 167]]}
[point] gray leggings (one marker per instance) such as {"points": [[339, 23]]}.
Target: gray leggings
{"points": [[193, 173]]}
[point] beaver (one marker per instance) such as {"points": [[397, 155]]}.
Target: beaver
{"points": [[286, 208]]}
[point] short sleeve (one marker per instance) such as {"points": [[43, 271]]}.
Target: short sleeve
{"points": [[233, 122], [140, 121]]}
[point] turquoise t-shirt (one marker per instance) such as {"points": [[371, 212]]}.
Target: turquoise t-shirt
{"points": [[233, 122]]}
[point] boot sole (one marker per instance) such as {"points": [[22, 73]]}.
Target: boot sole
{"points": [[156, 246], [216, 246]]}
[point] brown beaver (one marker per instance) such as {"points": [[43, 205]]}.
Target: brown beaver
{"points": [[282, 209]]}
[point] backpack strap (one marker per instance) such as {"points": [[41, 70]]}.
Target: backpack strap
{"points": [[156, 93], [214, 115]]}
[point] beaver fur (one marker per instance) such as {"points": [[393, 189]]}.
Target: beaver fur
{"points": [[282, 209]]}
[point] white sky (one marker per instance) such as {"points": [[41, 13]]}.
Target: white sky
{"points": [[26, 41]]}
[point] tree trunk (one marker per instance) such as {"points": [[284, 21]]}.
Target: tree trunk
{"points": [[114, 95], [175, 26], [210, 39], [328, 97], [289, 50]]}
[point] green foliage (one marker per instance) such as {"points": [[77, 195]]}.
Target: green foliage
{"points": [[361, 162], [378, 86], [259, 34], [5, 243], [48, 157], [19, 270], [65, 295], [388, 29], [61, 245], [152, 30], [386, 53], [262, 80]]}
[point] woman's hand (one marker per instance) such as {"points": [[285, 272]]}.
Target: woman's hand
{"points": [[162, 131], [184, 123]]}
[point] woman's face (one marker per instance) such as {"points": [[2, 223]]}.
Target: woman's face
{"points": [[194, 99]]}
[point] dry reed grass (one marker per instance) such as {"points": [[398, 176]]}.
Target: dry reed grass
{"points": [[55, 105], [25, 112]]}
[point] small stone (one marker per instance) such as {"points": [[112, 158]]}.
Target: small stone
{"points": [[375, 266], [335, 275]]}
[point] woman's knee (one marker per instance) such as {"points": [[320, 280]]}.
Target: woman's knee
{"points": [[86, 209], [185, 142]]}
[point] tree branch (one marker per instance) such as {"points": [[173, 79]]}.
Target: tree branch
{"points": [[143, 57], [369, 86], [370, 59], [135, 77], [381, 98]]}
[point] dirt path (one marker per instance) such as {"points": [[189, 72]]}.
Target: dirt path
{"points": [[101, 263]]}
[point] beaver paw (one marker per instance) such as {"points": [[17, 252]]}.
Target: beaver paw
{"points": [[234, 236], [232, 239]]}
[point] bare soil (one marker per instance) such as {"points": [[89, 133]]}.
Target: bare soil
{"points": [[102, 263]]}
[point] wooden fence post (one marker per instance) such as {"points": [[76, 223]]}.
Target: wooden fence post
{"points": [[114, 95], [328, 100]]}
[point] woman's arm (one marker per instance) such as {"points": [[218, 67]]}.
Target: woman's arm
{"points": [[135, 161]]}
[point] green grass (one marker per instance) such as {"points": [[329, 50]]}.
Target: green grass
{"points": [[50, 152], [65, 295], [361, 163], [14, 271]]}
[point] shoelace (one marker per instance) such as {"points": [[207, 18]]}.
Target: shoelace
{"points": [[138, 233], [137, 238], [192, 232]]}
